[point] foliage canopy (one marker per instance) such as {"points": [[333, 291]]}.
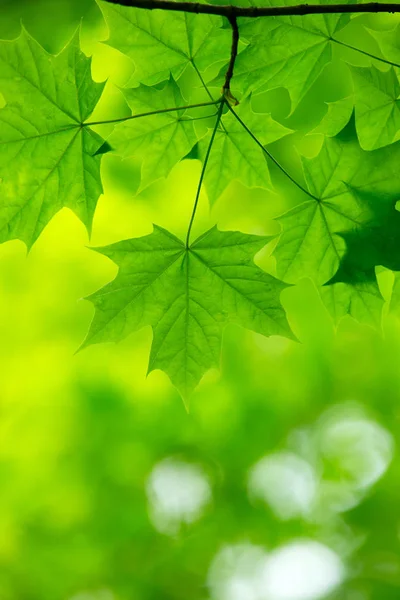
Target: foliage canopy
{"points": [[344, 226]]}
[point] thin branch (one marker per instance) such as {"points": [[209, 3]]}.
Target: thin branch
{"points": [[254, 11], [203, 170], [226, 90], [148, 114], [280, 167]]}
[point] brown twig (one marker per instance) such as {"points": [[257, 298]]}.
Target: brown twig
{"points": [[255, 11], [226, 90]]}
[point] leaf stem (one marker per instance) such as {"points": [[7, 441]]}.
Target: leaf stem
{"points": [[209, 94], [388, 62], [296, 183], [199, 118], [203, 83], [258, 11], [154, 112], [203, 170]]}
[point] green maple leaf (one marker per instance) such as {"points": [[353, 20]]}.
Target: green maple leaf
{"points": [[161, 139], [374, 244], [361, 300], [331, 237], [187, 296], [389, 43], [235, 156], [336, 117], [47, 158], [377, 106], [161, 43], [288, 52]]}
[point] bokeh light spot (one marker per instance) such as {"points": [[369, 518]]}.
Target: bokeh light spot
{"points": [[303, 570], [236, 572], [177, 492], [358, 448], [285, 482]]}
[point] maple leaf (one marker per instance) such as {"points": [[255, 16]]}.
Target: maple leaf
{"points": [[234, 154], [187, 296], [361, 300], [162, 139], [341, 234], [336, 118], [377, 106], [47, 158], [389, 43], [374, 244], [161, 43]]}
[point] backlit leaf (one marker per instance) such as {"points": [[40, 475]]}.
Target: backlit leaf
{"points": [[161, 43], [350, 225], [160, 140], [235, 155], [188, 296], [377, 106], [47, 158]]}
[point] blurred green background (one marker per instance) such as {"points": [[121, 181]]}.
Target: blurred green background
{"points": [[283, 480]]}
